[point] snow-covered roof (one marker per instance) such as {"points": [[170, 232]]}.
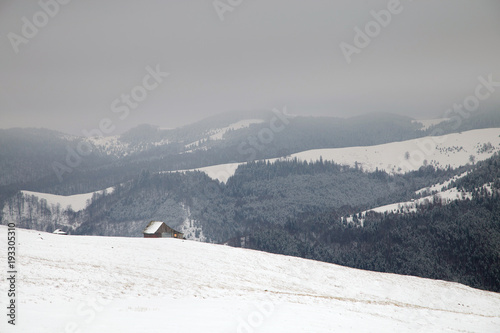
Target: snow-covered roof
{"points": [[152, 227]]}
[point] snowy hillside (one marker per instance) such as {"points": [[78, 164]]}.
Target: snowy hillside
{"points": [[436, 188], [221, 172], [454, 150], [218, 133], [105, 284], [427, 123], [443, 197], [431, 194], [76, 202], [44, 211], [437, 193]]}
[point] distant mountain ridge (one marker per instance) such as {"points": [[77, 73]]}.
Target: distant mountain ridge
{"points": [[50, 161]]}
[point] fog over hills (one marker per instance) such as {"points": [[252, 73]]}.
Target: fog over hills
{"points": [[326, 166], [76, 68]]}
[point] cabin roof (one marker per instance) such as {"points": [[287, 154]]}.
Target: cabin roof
{"points": [[153, 227]]}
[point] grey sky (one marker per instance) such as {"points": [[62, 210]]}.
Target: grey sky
{"points": [[265, 54]]}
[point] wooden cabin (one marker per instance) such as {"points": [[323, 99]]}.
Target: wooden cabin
{"points": [[158, 229]]}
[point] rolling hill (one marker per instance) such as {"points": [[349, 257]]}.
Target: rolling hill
{"points": [[454, 150], [107, 284]]}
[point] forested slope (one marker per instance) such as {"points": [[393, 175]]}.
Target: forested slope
{"points": [[458, 242]]}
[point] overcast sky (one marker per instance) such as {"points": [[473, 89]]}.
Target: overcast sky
{"points": [[264, 54]]}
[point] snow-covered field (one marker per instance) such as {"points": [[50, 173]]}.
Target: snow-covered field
{"points": [[105, 284], [396, 157]]}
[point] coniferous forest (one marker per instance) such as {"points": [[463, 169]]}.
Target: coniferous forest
{"points": [[457, 242]]}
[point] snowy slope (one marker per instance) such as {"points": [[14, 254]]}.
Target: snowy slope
{"points": [[77, 202], [221, 172], [426, 123], [44, 211], [444, 197], [437, 193], [438, 187], [106, 284], [453, 149], [218, 133], [397, 157]]}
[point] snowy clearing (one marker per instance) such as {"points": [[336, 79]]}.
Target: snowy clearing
{"points": [[107, 284], [77, 202], [221, 172]]}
